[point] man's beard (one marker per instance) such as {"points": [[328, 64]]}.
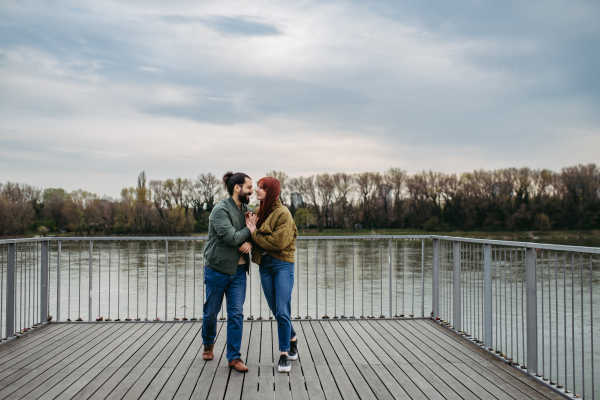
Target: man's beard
{"points": [[244, 198]]}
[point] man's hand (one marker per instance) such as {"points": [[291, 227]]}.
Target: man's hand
{"points": [[251, 221], [245, 248]]}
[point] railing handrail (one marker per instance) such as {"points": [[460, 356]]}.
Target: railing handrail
{"points": [[527, 245]]}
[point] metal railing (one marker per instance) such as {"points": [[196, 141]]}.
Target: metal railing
{"points": [[532, 305]]}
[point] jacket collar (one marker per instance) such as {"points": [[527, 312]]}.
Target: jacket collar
{"points": [[232, 204]]}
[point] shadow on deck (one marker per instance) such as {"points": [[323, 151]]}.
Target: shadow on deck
{"points": [[349, 359]]}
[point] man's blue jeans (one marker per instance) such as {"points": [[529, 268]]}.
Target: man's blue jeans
{"points": [[277, 279], [234, 288]]}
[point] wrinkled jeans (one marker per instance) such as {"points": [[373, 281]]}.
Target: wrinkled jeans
{"points": [[234, 289], [277, 279]]}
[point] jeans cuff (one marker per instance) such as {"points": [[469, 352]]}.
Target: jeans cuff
{"points": [[286, 350]]}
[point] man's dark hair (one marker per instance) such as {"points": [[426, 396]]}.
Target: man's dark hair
{"points": [[230, 180]]}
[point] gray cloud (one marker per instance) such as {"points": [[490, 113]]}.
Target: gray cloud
{"points": [[450, 86], [233, 26]]}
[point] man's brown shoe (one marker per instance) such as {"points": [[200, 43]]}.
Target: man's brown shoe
{"points": [[208, 352], [238, 365]]}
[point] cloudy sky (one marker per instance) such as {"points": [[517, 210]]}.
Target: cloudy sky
{"points": [[93, 92]]}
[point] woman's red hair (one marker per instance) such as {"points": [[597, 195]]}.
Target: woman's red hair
{"points": [[273, 188]]}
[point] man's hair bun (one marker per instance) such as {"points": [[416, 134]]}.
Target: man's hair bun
{"points": [[230, 180]]}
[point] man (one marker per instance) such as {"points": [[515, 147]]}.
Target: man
{"points": [[226, 263]]}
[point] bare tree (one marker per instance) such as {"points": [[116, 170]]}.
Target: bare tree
{"points": [[283, 179], [396, 178]]}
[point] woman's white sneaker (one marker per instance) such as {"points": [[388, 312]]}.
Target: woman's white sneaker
{"points": [[284, 363], [293, 353]]}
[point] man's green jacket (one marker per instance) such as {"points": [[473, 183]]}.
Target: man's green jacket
{"points": [[226, 232]]}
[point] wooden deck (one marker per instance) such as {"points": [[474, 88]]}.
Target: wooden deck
{"points": [[358, 359]]}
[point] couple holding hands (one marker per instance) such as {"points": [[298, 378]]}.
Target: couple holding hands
{"points": [[233, 231]]}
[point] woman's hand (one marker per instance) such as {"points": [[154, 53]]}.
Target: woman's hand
{"points": [[251, 221], [245, 248]]}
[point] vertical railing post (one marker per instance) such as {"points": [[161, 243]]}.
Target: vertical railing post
{"points": [[423, 278], [487, 293], [436, 279], [44, 283], [166, 278], [389, 277], [90, 284], [531, 303], [456, 316], [10, 290], [58, 280], [317, 277]]}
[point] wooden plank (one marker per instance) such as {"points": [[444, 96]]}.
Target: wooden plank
{"points": [[421, 382], [336, 343], [478, 389], [326, 347], [412, 347], [355, 338], [410, 376], [330, 389], [389, 381], [179, 372], [383, 356], [219, 384], [311, 341], [303, 350], [446, 390], [351, 376], [265, 382], [388, 344], [378, 388], [281, 379], [79, 360], [222, 373], [35, 353], [348, 344], [193, 373], [206, 379], [250, 388], [134, 367], [160, 379], [313, 384], [236, 381], [416, 339], [488, 362], [39, 337], [31, 370], [62, 381], [144, 372], [297, 384], [346, 387], [495, 383], [99, 374], [266, 345], [396, 372]]}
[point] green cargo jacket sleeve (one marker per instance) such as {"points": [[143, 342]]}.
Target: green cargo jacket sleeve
{"points": [[226, 231]]}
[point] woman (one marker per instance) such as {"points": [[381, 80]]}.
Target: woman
{"points": [[273, 249]]}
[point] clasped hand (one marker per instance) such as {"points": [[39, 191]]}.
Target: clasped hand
{"points": [[251, 221]]}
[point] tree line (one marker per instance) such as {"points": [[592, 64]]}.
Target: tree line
{"points": [[504, 199]]}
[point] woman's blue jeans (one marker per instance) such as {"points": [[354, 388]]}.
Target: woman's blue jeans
{"points": [[234, 289], [277, 279]]}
